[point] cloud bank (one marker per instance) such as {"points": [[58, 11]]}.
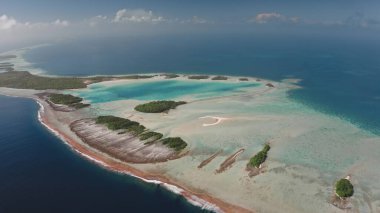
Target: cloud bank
{"points": [[7, 22], [138, 15], [273, 17], [124, 22]]}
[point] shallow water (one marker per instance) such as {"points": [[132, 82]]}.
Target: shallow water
{"points": [[160, 90]]}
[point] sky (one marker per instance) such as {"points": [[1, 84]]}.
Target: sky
{"points": [[24, 22]]}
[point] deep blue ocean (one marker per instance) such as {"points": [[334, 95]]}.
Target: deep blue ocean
{"points": [[39, 173], [339, 76]]}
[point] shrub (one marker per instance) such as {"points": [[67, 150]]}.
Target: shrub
{"points": [[175, 143], [260, 157], [25, 80], [219, 78], [148, 135], [158, 106], [116, 123], [198, 77], [344, 188]]}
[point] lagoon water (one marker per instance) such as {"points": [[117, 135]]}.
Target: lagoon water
{"points": [[160, 90], [39, 173]]}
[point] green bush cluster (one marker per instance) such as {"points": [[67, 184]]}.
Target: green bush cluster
{"points": [[136, 129], [136, 77], [68, 100], [147, 135], [219, 78], [260, 157], [158, 106], [243, 79], [116, 123], [198, 77], [175, 143], [344, 188], [169, 76], [25, 80], [64, 99]]}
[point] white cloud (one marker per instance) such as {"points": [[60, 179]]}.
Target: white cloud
{"points": [[97, 20], [7, 22], [137, 15], [60, 22], [263, 18]]}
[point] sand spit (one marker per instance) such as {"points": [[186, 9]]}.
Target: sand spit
{"points": [[217, 120], [208, 160], [254, 171], [126, 147], [229, 161]]}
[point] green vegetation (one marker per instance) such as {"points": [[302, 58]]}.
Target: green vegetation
{"points": [[219, 78], [260, 157], [67, 100], [136, 129], [169, 76], [243, 79], [158, 106], [175, 143], [198, 77], [117, 123], [344, 188], [136, 77], [25, 80], [148, 135], [64, 99]]}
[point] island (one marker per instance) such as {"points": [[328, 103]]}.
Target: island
{"points": [[26, 80], [344, 188], [68, 100], [218, 78], [170, 75], [255, 163], [215, 150], [158, 106], [198, 77]]}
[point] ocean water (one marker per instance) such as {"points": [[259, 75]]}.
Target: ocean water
{"points": [[39, 173], [339, 75], [160, 90]]}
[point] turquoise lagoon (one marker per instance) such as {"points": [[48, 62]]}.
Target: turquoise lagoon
{"points": [[161, 90]]}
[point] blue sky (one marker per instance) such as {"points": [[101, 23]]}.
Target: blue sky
{"points": [[28, 21], [40, 10]]}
